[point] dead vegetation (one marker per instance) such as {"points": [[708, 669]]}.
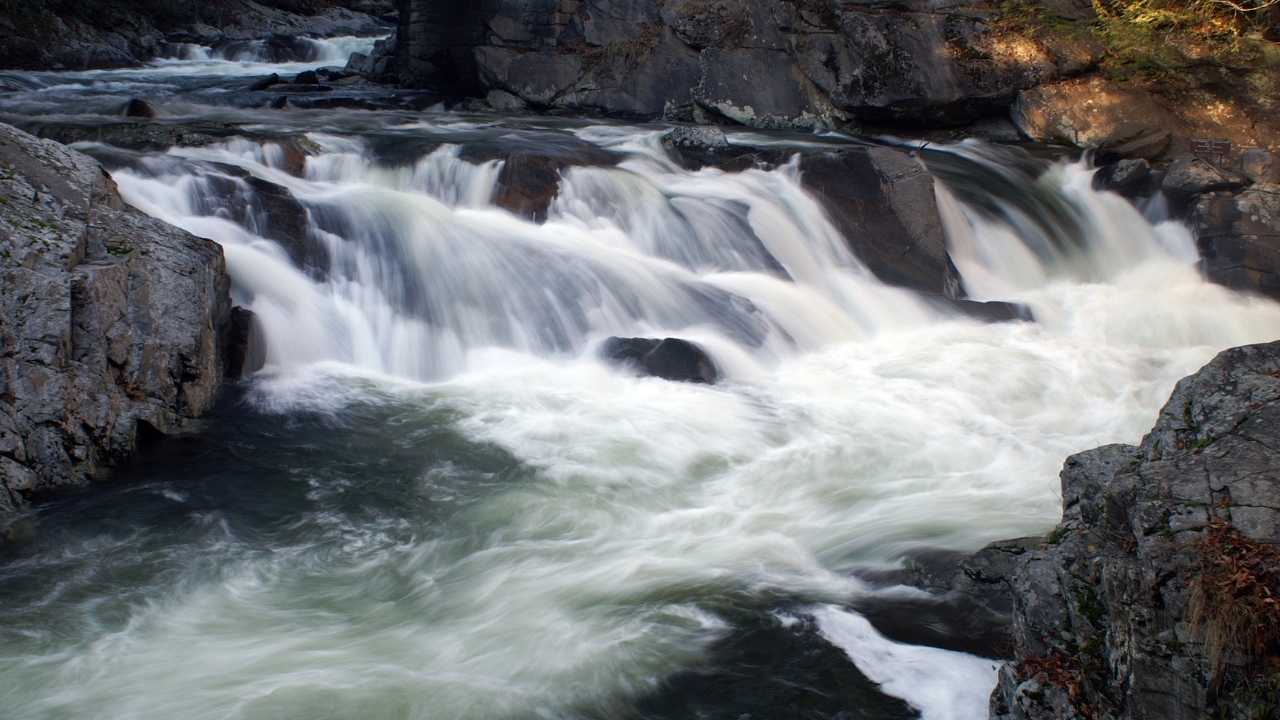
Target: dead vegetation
{"points": [[1235, 598]]}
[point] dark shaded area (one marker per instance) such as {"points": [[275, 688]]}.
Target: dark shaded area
{"points": [[669, 359]]}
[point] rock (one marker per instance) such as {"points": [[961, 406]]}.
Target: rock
{"points": [[669, 359], [780, 64], [1130, 178], [882, 200], [309, 77], [1192, 176], [1101, 611], [530, 179], [991, 311], [111, 321], [503, 101], [280, 103], [139, 109], [265, 83], [1259, 166], [1094, 114], [246, 345], [1239, 238]]}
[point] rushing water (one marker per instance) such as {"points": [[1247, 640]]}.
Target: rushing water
{"points": [[436, 502]]}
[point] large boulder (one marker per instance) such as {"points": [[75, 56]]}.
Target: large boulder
{"points": [[1105, 619], [1239, 238], [882, 200], [1188, 177], [111, 322], [669, 359], [1094, 114]]}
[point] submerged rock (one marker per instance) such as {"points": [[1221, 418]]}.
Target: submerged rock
{"points": [[669, 359], [111, 321], [1103, 625], [137, 108]]}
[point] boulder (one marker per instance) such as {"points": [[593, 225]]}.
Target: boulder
{"points": [[137, 108], [1094, 114], [111, 321], [1131, 178], [669, 359], [1103, 620], [1187, 177], [1239, 238], [308, 77], [882, 200]]}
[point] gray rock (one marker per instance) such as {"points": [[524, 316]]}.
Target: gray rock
{"points": [[1130, 178], [1239, 238], [1101, 625], [882, 200], [111, 322], [779, 64], [1192, 176]]}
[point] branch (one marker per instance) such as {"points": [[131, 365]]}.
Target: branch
{"points": [[1240, 8]]}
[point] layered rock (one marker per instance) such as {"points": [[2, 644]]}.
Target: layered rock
{"points": [[1103, 619], [766, 64], [111, 322]]}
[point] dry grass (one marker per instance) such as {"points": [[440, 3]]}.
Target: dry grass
{"points": [[1235, 599]]}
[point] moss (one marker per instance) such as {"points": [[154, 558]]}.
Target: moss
{"points": [[1057, 535], [1090, 605]]}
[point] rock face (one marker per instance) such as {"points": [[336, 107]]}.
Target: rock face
{"points": [[111, 322], [793, 63], [669, 359], [1102, 618]]}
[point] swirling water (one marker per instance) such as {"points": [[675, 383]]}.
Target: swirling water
{"points": [[436, 502]]}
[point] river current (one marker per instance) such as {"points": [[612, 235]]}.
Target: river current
{"points": [[436, 501]]}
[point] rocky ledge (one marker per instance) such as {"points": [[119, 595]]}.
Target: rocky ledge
{"points": [[1155, 597], [112, 324]]}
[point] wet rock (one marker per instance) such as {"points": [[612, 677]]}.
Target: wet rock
{"points": [[1094, 114], [265, 83], [137, 108], [134, 135], [1192, 176], [305, 88], [1101, 611], [669, 359], [279, 103], [1131, 178], [530, 179], [309, 77], [882, 200], [991, 311], [1239, 238], [111, 321], [246, 345]]}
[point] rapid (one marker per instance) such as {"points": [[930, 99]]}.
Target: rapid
{"points": [[436, 501]]}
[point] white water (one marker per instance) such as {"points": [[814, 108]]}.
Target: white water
{"points": [[856, 423]]}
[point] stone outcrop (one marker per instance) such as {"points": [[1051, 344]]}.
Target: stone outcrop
{"points": [[1103, 626], [111, 322], [792, 63], [1239, 237]]}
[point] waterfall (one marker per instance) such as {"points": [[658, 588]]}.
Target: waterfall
{"points": [[436, 501]]}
